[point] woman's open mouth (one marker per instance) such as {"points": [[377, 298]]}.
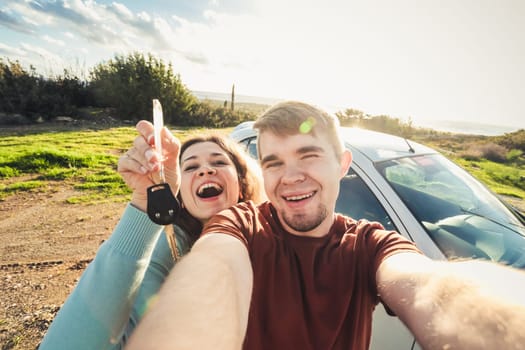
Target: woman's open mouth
{"points": [[209, 189]]}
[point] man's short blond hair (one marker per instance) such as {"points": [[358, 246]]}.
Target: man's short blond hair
{"points": [[292, 117]]}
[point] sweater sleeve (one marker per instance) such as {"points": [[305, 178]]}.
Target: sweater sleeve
{"points": [[97, 312], [158, 269]]}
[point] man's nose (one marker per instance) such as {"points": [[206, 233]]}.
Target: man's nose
{"points": [[206, 170], [293, 174]]}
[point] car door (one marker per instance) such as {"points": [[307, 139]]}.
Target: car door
{"points": [[358, 201]]}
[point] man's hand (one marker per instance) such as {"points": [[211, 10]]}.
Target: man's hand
{"points": [[140, 165], [470, 304]]}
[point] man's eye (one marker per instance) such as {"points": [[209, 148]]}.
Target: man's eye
{"points": [[272, 165], [310, 156]]}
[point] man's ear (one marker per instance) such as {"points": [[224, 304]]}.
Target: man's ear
{"points": [[346, 160]]}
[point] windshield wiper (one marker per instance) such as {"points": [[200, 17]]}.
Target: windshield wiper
{"points": [[466, 211]]}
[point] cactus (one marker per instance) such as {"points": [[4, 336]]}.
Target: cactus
{"points": [[233, 97]]}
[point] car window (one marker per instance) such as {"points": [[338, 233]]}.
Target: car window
{"points": [[357, 201], [250, 146], [464, 219]]}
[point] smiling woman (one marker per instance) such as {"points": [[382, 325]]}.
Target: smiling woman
{"points": [[212, 173]]}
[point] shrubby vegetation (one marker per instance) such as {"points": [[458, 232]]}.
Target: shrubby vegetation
{"points": [[124, 85], [207, 115], [508, 148], [129, 84], [26, 96], [383, 123], [515, 140]]}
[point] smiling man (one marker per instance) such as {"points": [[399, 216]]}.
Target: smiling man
{"points": [[292, 274]]}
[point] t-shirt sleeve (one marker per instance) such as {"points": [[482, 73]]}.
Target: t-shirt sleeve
{"points": [[381, 244], [237, 221]]}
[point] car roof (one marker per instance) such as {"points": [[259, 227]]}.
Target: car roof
{"points": [[376, 146]]}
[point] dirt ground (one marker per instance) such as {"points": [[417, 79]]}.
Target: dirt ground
{"points": [[45, 246]]}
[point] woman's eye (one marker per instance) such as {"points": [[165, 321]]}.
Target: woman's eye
{"points": [[220, 163], [190, 168]]}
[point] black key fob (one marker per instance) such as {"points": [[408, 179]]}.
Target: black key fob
{"points": [[163, 207]]}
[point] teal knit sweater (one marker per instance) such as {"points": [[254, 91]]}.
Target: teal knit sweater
{"points": [[114, 291]]}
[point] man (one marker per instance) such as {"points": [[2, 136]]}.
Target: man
{"points": [[316, 275]]}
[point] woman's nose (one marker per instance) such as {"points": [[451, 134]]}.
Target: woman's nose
{"points": [[206, 170]]}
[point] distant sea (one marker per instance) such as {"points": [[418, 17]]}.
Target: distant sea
{"points": [[465, 127], [459, 127], [207, 95]]}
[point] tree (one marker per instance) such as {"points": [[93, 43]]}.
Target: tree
{"points": [[26, 93], [129, 84], [351, 117]]}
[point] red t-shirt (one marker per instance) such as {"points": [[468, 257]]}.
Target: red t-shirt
{"points": [[309, 292]]}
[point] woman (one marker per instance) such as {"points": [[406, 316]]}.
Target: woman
{"points": [[211, 174]]}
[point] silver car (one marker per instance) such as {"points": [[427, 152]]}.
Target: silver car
{"points": [[418, 192]]}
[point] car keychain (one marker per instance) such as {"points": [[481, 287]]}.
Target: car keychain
{"points": [[163, 208]]}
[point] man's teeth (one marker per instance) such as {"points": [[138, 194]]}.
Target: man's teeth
{"points": [[298, 198]]}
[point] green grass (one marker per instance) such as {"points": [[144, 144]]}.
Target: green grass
{"points": [[85, 160], [503, 179]]}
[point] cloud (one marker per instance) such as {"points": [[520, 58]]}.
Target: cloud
{"points": [[46, 62], [53, 41], [18, 24], [11, 51], [115, 28], [43, 54], [75, 11]]}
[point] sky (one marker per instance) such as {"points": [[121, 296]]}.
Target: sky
{"points": [[427, 60]]}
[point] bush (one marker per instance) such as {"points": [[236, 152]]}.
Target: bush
{"points": [[488, 151], [129, 84], [125, 85], [203, 114], [515, 156], [515, 140], [26, 93]]}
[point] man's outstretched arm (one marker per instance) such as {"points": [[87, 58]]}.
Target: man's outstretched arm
{"points": [[455, 305], [204, 302]]}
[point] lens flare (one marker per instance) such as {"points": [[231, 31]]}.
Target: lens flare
{"points": [[307, 125]]}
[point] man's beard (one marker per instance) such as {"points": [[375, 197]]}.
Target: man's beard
{"points": [[304, 222]]}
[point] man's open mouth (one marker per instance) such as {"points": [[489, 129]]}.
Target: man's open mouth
{"points": [[209, 189], [299, 197]]}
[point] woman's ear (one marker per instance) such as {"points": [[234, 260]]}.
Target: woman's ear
{"points": [[241, 196]]}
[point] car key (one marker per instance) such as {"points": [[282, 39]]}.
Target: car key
{"points": [[163, 207]]}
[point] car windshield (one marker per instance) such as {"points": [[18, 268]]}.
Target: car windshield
{"points": [[462, 217]]}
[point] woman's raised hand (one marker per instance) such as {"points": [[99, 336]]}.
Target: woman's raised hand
{"points": [[140, 165]]}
